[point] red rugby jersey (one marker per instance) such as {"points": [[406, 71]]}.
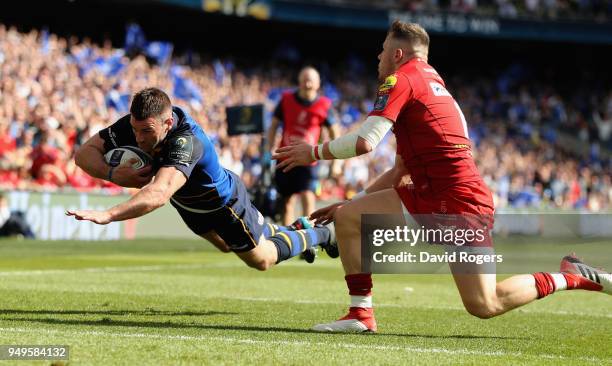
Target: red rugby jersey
{"points": [[303, 121], [430, 129]]}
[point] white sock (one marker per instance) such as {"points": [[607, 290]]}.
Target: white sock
{"points": [[560, 281], [361, 301]]}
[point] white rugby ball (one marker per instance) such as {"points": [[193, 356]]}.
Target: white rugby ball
{"points": [[122, 155]]}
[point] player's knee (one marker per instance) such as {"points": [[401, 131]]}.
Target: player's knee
{"points": [[480, 313], [482, 309], [260, 264], [345, 217]]}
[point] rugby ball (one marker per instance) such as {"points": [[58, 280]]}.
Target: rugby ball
{"points": [[122, 155]]}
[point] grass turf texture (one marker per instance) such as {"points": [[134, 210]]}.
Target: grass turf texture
{"points": [[162, 302]]}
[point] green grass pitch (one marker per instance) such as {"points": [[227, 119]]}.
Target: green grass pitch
{"points": [[159, 302]]}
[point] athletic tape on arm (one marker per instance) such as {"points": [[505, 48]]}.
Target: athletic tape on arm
{"points": [[373, 129], [344, 147]]}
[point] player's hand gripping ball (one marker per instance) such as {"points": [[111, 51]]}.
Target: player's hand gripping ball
{"points": [[124, 154]]}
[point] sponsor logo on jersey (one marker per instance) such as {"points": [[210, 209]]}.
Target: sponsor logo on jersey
{"points": [[381, 102], [439, 90], [181, 150], [388, 84], [180, 142]]}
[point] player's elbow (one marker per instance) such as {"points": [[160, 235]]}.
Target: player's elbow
{"points": [[362, 146], [80, 156]]}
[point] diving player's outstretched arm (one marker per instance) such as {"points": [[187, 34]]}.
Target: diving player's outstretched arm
{"points": [[167, 181]]}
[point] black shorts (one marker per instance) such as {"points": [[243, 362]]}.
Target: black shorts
{"points": [[238, 222], [299, 179]]}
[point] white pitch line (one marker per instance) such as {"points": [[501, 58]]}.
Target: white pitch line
{"points": [[315, 302], [460, 351], [38, 272], [452, 308], [115, 269], [153, 268]]}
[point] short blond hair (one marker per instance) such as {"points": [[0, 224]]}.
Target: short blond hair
{"points": [[411, 32], [308, 68]]}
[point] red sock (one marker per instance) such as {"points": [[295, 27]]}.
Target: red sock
{"points": [[360, 290], [359, 284], [544, 284]]}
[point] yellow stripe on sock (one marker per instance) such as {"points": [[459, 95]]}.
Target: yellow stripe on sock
{"points": [[305, 246], [287, 239], [272, 231]]}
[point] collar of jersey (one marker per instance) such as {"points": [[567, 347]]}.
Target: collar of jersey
{"points": [[304, 102]]}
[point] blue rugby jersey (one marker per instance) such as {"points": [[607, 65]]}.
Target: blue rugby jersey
{"points": [[209, 186]]}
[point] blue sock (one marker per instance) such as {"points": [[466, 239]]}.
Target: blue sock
{"points": [[293, 242], [273, 229]]}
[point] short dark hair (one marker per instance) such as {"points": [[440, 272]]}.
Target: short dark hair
{"points": [[411, 32], [149, 102]]}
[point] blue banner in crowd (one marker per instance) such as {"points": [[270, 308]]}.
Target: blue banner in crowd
{"points": [[110, 66], [120, 102], [185, 88], [160, 51], [44, 40], [134, 38], [219, 71]]}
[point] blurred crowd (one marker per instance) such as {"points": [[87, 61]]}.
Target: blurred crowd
{"points": [[598, 10], [55, 93], [590, 10]]}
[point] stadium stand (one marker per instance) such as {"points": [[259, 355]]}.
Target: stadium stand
{"points": [[55, 92], [599, 10]]}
